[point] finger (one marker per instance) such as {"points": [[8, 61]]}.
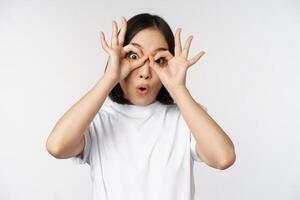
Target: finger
{"points": [[114, 37], [165, 54], [195, 58], [154, 65], [177, 42], [139, 62], [187, 45], [130, 47], [103, 42], [121, 35]]}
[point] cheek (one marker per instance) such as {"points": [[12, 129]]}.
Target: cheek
{"points": [[128, 79], [155, 78], [126, 83], [157, 84]]}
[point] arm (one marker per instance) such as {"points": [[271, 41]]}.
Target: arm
{"points": [[212, 144], [67, 137]]}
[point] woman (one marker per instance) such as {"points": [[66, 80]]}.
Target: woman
{"points": [[141, 144]]}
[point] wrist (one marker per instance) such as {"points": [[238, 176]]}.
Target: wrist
{"points": [[178, 92], [111, 82], [111, 79]]}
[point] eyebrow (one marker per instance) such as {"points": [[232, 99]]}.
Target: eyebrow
{"points": [[158, 49]]}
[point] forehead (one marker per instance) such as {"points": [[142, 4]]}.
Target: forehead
{"points": [[150, 39]]}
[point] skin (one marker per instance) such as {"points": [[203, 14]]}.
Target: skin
{"points": [[213, 145], [148, 41]]}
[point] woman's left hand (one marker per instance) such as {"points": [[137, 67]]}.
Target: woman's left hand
{"points": [[172, 72]]}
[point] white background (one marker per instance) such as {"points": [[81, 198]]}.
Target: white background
{"points": [[50, 56]]}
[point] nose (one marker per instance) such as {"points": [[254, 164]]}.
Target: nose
{"points": [[144, 70]]}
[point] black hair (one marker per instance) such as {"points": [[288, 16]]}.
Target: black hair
{"points": [[134, 25]]}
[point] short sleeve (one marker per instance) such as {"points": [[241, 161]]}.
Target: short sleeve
{"points": [[194, 153], [84, 157]]}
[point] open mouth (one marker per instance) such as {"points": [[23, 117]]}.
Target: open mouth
{"points": [[142, 90]]}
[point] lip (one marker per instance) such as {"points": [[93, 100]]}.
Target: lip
{"points": [[144, 92], [143, 85]]}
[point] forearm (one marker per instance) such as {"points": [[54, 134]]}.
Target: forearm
{"points": [[214, 146], [68, 131]]}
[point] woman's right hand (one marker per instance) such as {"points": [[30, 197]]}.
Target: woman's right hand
{"points": [[119, 66]]}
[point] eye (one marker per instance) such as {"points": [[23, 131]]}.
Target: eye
{"points": [[162, 61], [132, 55]]}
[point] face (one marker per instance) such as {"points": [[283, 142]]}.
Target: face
{"points": [[149, 41]]}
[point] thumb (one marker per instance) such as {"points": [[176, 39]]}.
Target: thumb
{"points": [[139, 62], [153, 64]]}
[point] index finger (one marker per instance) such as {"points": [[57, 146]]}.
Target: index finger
{"points": [[121, 34], [131, 47]]}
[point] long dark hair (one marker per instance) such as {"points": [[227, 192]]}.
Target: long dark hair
{"points": [[134, 25]]}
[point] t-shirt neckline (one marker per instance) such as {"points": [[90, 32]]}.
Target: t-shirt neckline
{"points": [[135, 110]]}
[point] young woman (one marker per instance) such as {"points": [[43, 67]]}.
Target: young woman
{"points": [[140, 144]]}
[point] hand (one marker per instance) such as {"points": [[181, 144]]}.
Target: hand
{"points": [[172, 72], [118, 66]]}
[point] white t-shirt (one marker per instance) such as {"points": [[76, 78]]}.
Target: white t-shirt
{"points": [[140, 153]]}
